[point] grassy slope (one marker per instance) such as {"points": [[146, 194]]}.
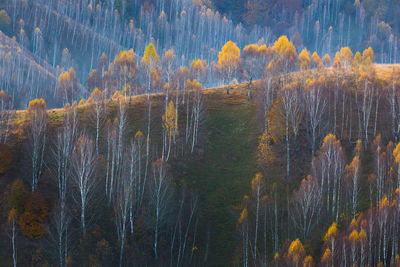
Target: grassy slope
{"points": [[222, 172]]}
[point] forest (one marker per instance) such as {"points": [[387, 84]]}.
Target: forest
{"points": [[199, 133]]}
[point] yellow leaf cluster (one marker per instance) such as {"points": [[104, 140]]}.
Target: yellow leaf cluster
{"points": [[193, 85], [332, 232], [308, 261], [296, 251], [256, 181], [150, 58], [284, 51], [326, 60], [304, 60], [243, 216], [346, 56], [12, 215], [354, 237], [396, 153], [316, 60], [36, 105], [362, 235], [265, 155], [170, 122], [229, 55], [330, 140], [95, 96], [327, 256]]}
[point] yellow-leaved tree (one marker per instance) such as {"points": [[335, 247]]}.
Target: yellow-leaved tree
{"points": [[170, 128], [327, 258], [123, 70], [199, 70], [346, 56], [228, 63], [67, 86], [308, 261], [265, 154], [304, 60], [296, 253], [285, 54], [330, 238], [150, 61], [316, 61]]}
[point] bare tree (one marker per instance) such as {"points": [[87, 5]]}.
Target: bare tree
{"points": [[84, 164], [123, 201], [160, 194], [115, 147], [291, 111], [65, 143], [328, 170], [12, 225], [257, 186], [352, 176], [367, 100], [37, 125], [306, 203], [6, 115], [315, 104], [98, 113]]}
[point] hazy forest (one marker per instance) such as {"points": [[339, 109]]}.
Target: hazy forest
{"points": [[200, 133]]}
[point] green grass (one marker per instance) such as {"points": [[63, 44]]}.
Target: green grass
{"points": [[222, 175]]}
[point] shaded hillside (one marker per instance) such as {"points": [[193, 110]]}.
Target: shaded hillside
{"points": [[219, 173]]}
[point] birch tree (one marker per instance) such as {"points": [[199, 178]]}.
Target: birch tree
{"points": [[306, 205], [160, 193], [6, 115], [64, 146], [257, 186], [123, 201], [98, 113], [12, 221], [150, 61], [228, 63], [37, 125], [84, 164], [253, 62], [170, 125], [315, 105], [352, 176], [328, 170], [291, 111]]}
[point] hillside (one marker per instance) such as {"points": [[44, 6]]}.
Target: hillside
{"points": [[219, 173], [54, 36]]}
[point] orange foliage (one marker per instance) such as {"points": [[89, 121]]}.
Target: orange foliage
{"points": [[36, 105], [285, 54], [296, 252], [304, 60], [32, 221], [265, 155], [327, 257], [228, 61], [308, 261], [326, 60], [6, 158], [316, 61], [243, 216], [332, 232], [17, 196], [67, 85]]}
